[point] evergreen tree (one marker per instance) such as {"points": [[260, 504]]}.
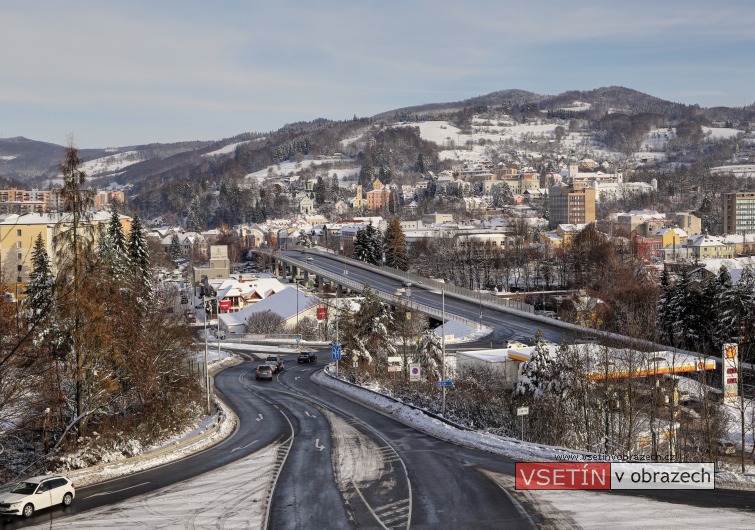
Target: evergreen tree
{"points": [[113, 248], [745, 310], [138, 253], [664, 315], [361, 246], [39, 292], [335, 190], [430, 354], [420, 165], [370, 332], [375, 244], [395, 246], [723, 317], [176, 252], [537, 373], [319, 189]]}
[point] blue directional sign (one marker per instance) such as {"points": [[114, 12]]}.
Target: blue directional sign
{"points": [[336, 348], [445, 383], [336, 356]]}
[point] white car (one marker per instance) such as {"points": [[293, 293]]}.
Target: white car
{"points": [[37, 493]]}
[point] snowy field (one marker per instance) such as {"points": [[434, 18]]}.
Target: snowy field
{"points": [[226, 150], [111, 163], [345, 175]]}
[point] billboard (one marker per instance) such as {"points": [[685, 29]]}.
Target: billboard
{"points": [[730, 376], [225, 305]]}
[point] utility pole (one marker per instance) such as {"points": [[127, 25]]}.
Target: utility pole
{"points": [[443, 347]]}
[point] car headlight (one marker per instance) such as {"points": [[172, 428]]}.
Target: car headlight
{"points": [[16, 504]]}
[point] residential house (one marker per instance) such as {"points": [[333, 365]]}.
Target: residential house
{"points": [[18, 234]]}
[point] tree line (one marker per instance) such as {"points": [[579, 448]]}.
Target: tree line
{"points": [[81, 367]]}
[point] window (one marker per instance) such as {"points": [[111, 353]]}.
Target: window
{"points": [[19, 257], [18, 232], [20, 267], [18, 244]]}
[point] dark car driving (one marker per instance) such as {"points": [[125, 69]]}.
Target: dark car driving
{"points": [[307, 357], [264, 371]]}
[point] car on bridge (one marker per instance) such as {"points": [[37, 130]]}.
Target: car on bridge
{"points": [[307, 357]]}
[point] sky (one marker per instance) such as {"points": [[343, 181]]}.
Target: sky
{"points": [[111, 73]]}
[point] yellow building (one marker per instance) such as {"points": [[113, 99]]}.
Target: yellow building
{"points": [[18, 234]]}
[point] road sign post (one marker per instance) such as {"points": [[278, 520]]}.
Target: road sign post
{"points": [[522, 411], [414, 372]]}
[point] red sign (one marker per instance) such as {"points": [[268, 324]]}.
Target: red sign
{"points": [[225, 305], [322, 313], [563, 476]]}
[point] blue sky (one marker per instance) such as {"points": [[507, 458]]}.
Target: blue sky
{"points": [[120, 73]]}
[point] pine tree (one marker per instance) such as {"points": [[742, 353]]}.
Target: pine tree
{"points": [[139, 256], [176, 252], [430, 354], [319, 189], [537, 372], [374, 244], [723, 317], [664, 315], [113, 248], [39, 292], [361, 246], [395, 246]]}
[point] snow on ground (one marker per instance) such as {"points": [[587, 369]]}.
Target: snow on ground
{"points": [[721, 133], [230, 497], [230, 148], [739, 171], [284, 168], [590, 509], [8, 157], [577, 106], [111, 163]]}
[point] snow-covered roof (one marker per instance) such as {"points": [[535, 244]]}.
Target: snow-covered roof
{"points": [[285, 304]]}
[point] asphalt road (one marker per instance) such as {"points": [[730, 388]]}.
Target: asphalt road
{"points": [[376, 472]]}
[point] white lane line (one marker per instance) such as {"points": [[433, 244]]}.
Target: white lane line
{"points": [[116, 491], [247, 445]]}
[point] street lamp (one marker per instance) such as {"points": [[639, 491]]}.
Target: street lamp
{"points": [[207, 309]]}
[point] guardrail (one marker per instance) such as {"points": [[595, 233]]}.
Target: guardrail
{"points": [[450, 289]]}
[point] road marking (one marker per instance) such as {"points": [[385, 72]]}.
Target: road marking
{"points": [[247, 445], [308, 414], [318, 446], [259, 418], [116, 491]]}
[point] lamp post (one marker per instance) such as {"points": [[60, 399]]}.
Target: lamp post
{"points": [[207, 305], [443, 347]]}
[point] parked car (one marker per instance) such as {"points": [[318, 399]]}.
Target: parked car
{"points": [[276, 361], [264, 371], [725, 447], [307, 357], [37, 493]]}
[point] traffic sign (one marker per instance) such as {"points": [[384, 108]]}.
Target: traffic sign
{"points": [[414, 372], [298, 340], [336, 348], [522, 411], [336, 356], [445, 383]]}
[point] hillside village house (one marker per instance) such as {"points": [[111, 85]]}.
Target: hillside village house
{"points": [[19, 232]]}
